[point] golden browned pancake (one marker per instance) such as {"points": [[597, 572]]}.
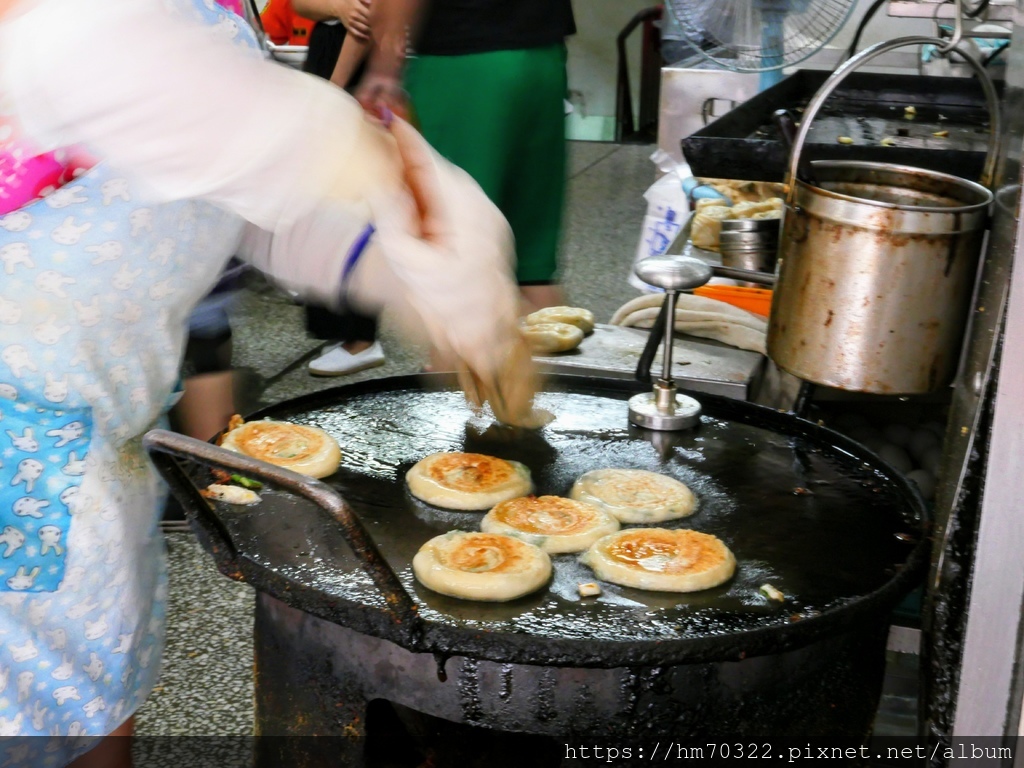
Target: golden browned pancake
{"points": [[469, 481], [308, 450], [581, 318], [550, 522], [661, 560], [481, 566], [635, 495], [551, 337], [749, 210], [707, 202], [706, 226]]}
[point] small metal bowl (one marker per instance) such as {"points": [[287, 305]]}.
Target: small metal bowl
{"points": [[751, 225], [748, 238]]}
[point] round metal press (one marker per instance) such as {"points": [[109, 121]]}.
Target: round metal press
{"points": [[664, 409]]}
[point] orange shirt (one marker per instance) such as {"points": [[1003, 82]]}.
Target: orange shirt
{"points": [[283, 26]]}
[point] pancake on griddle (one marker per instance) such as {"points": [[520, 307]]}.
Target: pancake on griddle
{"points": [[469, 481], [307, 450], [635, 495], [552, 523], [481, 566], [661, 560]]}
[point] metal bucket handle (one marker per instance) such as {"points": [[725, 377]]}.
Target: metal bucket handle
{"points": [[991, 98], [167, 449]]}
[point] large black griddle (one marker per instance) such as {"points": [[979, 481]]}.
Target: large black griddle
{"points": [[866, 107], [803, 508]]}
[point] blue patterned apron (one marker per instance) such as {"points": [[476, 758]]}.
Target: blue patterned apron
{"points": [[96, 286]]}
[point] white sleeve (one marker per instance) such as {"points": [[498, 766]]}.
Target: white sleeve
{"points": [[316, 256], [188, 113]]}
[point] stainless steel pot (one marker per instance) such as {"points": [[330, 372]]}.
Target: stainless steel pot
{"points": [[877, 262]]}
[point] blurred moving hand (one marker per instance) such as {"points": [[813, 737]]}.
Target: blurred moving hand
{"points": [[449, 253], [380, 90], [381, 94], [303, 167]]}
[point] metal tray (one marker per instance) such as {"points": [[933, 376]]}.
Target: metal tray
{"points": [[867, 107]]}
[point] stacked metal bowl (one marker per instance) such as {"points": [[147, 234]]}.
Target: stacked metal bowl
{"points": [[750, 243]]}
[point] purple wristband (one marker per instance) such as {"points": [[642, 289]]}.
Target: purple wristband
{"points": [[355, 253]]}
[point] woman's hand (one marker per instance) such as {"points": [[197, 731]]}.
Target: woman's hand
{"points": [[355, 15], [382, 96], [450, 253], [380, 90]]}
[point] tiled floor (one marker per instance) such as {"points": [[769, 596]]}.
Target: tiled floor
{"points": [[206, 685]]}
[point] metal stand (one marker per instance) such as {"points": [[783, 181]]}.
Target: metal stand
{"points": [[663, 409], [315, 681]]}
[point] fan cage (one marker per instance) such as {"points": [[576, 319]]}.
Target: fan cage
{"points": [[759, 35]]}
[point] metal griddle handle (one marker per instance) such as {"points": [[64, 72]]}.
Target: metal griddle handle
{"points": [[818, 100], [167, 449]]}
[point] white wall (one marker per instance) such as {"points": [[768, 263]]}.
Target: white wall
{"points": [[881, 27], [592, 63]]}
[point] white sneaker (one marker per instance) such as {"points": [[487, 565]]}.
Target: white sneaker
{"points": [[337, 361]]}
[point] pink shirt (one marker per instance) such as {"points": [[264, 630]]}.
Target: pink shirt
{"points": [[27, 175]]}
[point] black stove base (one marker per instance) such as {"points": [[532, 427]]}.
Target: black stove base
{"points": [[341, 698]]}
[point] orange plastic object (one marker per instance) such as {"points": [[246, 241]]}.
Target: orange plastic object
{"points": [[756, 300]]}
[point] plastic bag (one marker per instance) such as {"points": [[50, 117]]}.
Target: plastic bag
{"points": [[667, 209]]}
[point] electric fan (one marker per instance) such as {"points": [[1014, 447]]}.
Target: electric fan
{"points": [[759, 35]]}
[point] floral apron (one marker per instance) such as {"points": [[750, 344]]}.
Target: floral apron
{"points": [[96, 286]]}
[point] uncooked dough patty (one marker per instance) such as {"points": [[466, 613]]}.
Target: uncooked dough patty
{"points": [[550, 522], [469, 481], [308, 450], [481, 566], [635, 495], [661, 560]]}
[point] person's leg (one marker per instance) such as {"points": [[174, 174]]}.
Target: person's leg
{"points": [[208, 398], [206, 405], [459, 107], [325, 43], [539, 295], [533, 200], [352, 333], [358, 330], [500, 116], [356, 347], [354, 330], [114, 751]]}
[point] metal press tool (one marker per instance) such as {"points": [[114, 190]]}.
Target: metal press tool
{"points": [[663, 408]]}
